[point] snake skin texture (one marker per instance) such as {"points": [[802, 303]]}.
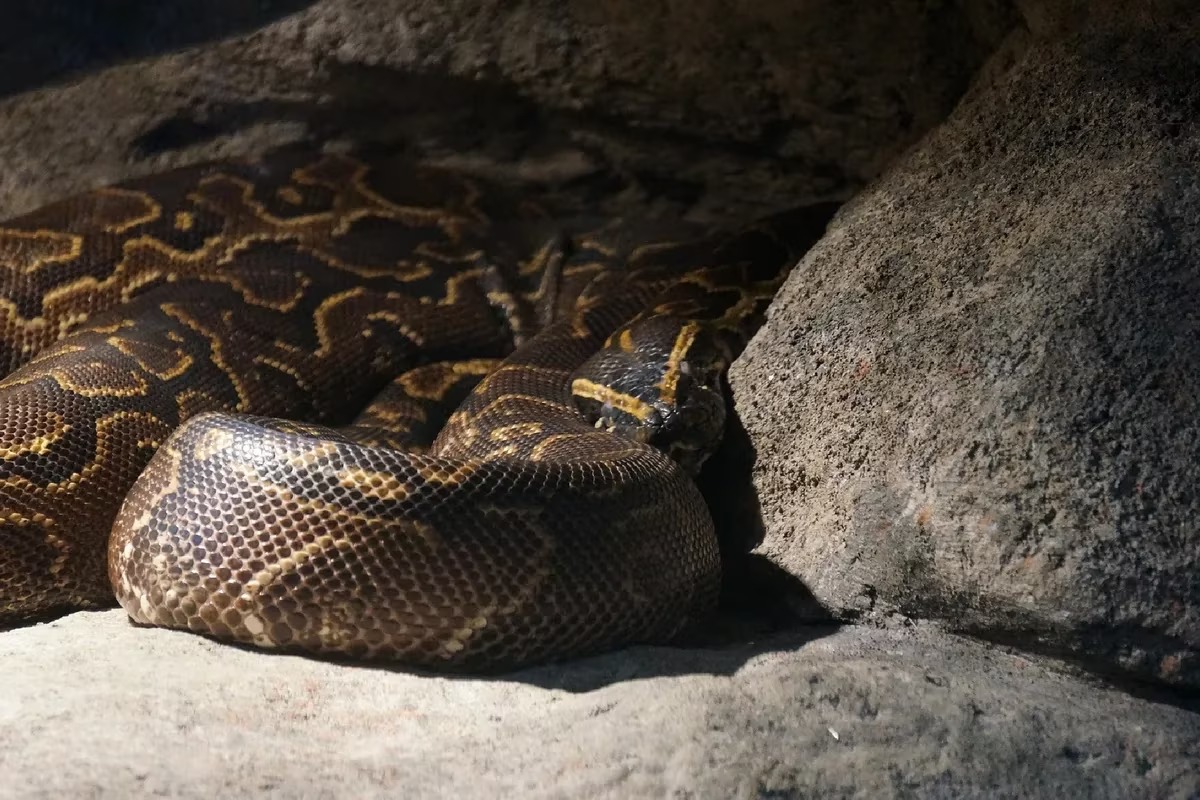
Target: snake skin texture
{"points": [[369, 409]]}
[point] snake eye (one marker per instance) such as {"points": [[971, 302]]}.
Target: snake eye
{"points": [[657, 381]]}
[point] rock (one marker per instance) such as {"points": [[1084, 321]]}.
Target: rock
{"points": [[92, 705], [977, 398], [1056, 17], [772, 103]]}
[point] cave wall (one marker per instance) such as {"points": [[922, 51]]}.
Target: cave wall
{"points": [[722, 107]]}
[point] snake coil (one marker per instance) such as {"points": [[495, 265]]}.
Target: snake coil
{"points": [[367, 408]]}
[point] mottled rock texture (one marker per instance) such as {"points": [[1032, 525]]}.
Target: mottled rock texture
{"points": [[92, 707], [771, 102], [977, 398]]}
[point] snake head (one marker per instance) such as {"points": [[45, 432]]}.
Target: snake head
{"points": [[657, 381]]}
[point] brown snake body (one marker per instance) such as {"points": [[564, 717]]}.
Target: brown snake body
{"points": [[158, 334]]}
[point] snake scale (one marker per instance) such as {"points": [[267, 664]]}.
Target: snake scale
{"points": [[367, 408]]}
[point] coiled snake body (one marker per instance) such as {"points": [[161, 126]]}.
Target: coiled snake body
{"points": [[157, 335]]}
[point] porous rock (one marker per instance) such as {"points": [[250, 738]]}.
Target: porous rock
{"points": [[976, 399], [92, 706]]}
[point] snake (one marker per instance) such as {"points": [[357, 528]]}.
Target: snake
{"points": [[363, 407]]}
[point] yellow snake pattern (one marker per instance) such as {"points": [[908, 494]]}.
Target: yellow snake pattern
{"points": [[365, 408]]}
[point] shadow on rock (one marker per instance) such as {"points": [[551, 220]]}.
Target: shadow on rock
{"points": [[370, 106], [639, 663], [49, 41], [479, 126], [488, 126], [763, 609]]}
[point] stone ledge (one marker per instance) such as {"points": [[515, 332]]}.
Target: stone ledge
{"points": [[92, 705]]}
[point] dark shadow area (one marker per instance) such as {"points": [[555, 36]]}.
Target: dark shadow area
{"points": [[50, 615], [642, 662], [763, 609], [1087, 667], [588, 673], [377, 108], [725, 481], [479, 126], [482, 123], [49, 40]]}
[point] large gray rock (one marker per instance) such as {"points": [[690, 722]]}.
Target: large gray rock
{"points": [[772, 102], [978, 398], [91, 706]]}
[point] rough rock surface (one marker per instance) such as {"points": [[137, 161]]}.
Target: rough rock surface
{"points": [[91, 706], [773, 101], [977, 398]]}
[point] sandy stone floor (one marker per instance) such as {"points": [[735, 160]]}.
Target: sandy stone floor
{"points": [[91, 706]]}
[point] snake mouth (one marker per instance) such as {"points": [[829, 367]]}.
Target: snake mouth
{"points": [[688, 431]]}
